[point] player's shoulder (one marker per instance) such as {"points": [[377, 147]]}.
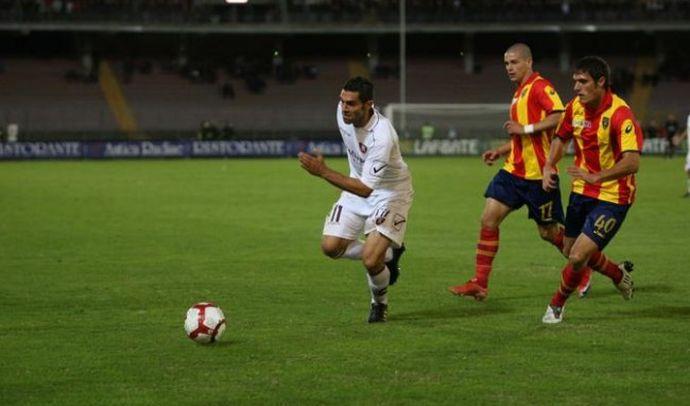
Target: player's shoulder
{"points": [[617, 103], [622, 115], [542, 84], [379, 124], [619, 108], [575, 105], [381, 130], [542, 81]]}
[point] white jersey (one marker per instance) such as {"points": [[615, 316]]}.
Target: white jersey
{"points": [[374, 155]]}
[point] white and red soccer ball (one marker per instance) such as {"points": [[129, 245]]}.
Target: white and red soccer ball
{"points": [[205, 323]]}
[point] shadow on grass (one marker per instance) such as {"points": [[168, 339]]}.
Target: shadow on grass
{"points": [[661, 312], [453, 312], [655, 288], [654, 312], [605, 289], [223, 343]]}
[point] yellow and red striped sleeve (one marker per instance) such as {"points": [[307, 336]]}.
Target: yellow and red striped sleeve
{"points": [[564, 130], [627, 130], [545, 97]]}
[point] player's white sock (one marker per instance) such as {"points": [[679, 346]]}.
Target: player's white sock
{"points": [[354, 251], [378, 284]]}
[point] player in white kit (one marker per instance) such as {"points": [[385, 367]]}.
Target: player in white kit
{"points": [[376, 196]]}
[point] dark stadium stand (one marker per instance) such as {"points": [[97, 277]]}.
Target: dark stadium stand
{"points": [[37, 95], [335, 11], [169, 102]]}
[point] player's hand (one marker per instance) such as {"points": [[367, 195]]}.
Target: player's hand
{"points": [[513, 127], [578, 173], [314, 164], [549, 182], [490, 156]]}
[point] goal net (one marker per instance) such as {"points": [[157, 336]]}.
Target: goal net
{"points": [[483, 122]]}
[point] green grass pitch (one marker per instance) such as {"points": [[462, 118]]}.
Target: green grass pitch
{"points": [[100, 261]]}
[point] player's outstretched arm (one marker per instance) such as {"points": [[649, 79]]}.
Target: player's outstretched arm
{"points": [[549, 122], [628, 165], [316, 165], [549, 181]]}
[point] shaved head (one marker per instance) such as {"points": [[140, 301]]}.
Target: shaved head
{"points": [[520, 49], [518, 62]]}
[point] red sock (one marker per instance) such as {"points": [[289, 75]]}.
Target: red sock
{"points": [[602, 264], [569, 281], [487, 247], [557, 240]]}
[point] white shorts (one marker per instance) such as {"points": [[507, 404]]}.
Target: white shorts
{"points": [[352, 216]]}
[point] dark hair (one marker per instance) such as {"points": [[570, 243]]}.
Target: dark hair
{"points": [[362, 86], [596, 67]]}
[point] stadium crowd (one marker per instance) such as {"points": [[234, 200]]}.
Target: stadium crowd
{"points": [[420, 11]]}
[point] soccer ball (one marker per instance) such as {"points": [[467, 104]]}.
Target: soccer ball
{"points": [[205, 323]]}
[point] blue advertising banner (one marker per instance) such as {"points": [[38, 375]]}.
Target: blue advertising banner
{"points": [[41, 150], [165, 149], [238, 148]]}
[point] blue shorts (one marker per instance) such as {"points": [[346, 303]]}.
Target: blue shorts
{"points": [[594, 218], [514, 192]]}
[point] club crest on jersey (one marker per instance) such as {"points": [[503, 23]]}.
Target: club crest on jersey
{"points": [[605, 122], [363, 148], [524, 92]]}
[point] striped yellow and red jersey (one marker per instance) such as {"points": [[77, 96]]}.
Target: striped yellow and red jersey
{"points": [[601, 136], [532, 101]]}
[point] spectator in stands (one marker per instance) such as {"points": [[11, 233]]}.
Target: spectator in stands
{"points": [[670, 131], [278, 65], [208, 131], [651, 130], [12, 132], [427, 131], [310, 71], [227, 132]]}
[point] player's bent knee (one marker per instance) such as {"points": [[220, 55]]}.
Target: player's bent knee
{"points": [[577, 259], [332, 249], [373, 263], [545, 233], [489, 222]]}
